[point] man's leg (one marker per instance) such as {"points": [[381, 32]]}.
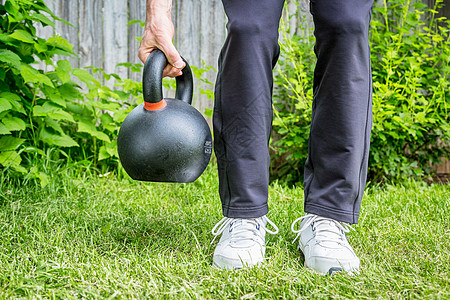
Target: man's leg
{"points": [[242, 126], [336, 168], [243, 105]]}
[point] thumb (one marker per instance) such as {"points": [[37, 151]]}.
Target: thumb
{"points": [[173, 56], [143, 55]]}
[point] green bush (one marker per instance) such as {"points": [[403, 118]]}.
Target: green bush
{"points": [[410, 63], [58, 112]]}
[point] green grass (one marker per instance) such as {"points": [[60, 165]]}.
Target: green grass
{"points": [[85, 236]]}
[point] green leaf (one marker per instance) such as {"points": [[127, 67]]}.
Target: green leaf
{"points": [[107, 122], [10, 58], [11, 7], [63, 70], [14, 124], [12, 159], [43, 178], [60, 42], [75, 108], [141, 23], [125, 64], [106, 93], [208, 93], [120, 115], [41, 46], [54, 96], [112, 148], [53, 124], [106, 119], [57, 140], [53, 111], [10, 96], [3, 129], [64, 65], [84, 126], [42, 19], [10, 143], [23, 36], [4, 105], [6, 39], [108, 150], [68, 91], [61, 115], [109, 105], [45, 109], [85, 76], [208, 112], [14, 100], [103, 154], [32, 75]]}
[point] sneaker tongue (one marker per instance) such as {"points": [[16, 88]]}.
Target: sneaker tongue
{"points": [[245, 232], [328, 226], [246, 224], [328, 231]]}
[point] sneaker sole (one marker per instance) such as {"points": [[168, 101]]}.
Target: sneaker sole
{"points": [[239, 265], [225, 268]]}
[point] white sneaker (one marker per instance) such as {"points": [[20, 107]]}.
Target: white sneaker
{"points": [[324, 244], [242, 243]]}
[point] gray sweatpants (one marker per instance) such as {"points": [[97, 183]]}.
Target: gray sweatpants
{"points": [[336, 168]]}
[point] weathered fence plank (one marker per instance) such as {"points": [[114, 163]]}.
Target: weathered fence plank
{"points": [[68, 9], [90, 32], [115, 36], [136, 11], [188, 30], [212, 36]]}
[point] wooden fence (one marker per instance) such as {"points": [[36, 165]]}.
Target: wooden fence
{"points": [[102, 38]]}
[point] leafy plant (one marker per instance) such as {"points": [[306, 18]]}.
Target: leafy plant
{"points": [[57, 112], [410, 60], [410, 65], [58, 106]]}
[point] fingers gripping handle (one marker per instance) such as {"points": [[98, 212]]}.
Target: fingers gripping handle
{"points": [[153, 76]]}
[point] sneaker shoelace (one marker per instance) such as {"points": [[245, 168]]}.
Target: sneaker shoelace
{"points": [[322, 231], [240, 232]]}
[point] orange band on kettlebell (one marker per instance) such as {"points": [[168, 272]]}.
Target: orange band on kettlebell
{"points": [[155, 106]]}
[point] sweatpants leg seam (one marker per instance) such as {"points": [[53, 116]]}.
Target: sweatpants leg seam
{"points": [[365, 153]]}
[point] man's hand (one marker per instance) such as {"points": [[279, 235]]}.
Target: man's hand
{"points": [[158, 33]]}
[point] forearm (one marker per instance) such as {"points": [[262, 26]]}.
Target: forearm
{"points": [[158, 34], [155, 8]]}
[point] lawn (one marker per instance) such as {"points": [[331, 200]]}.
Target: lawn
{"points": [[89, 236]]}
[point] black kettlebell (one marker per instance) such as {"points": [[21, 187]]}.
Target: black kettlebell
{"points": [[164, 140]]}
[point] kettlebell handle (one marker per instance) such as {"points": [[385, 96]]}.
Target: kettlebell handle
{"points": [[153, 76]]}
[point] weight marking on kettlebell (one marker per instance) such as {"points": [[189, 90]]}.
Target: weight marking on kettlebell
{"points": [[208, 147]]}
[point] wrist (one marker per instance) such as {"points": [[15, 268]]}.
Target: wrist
{"points": [[155, 7], [159, 7], [157, 10]]}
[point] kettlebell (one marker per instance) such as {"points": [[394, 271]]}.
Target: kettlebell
{"points": [[164, 139]]}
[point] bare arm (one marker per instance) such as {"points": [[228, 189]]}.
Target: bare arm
{"points": [[158, 33]]}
